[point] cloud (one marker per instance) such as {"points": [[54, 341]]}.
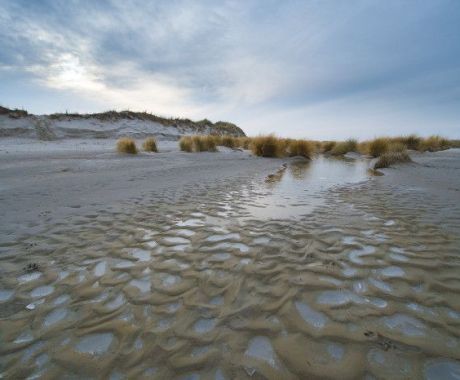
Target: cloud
{"points": [[242, 61]]}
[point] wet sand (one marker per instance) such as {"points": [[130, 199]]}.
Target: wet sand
{"points": [[205, 266]]}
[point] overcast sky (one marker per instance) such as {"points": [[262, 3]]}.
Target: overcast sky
{"points": [[315, 69]]}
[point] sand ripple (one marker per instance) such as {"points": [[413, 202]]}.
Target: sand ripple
{"points": [[186, 286]]}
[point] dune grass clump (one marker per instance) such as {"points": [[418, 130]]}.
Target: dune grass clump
{"points": [[198, 143], [211, 142], [327, 146], [411, 142], [204, 143], [243, 142], [229, 141], [342, 148], [186, 144], [302, 148], [434, 144], [391, 158], [150, 144], [267, 146], [395, 146], [378, 146], [126, 145]]}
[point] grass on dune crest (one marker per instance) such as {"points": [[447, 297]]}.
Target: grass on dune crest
{"points": [[327, 146], [150, 144], [434, 144], [391, 158], [126, 145], [243, 142], [341, 148], [198, 143], [382, 145], [267, 146], [302, 148], [272, 146], [186, 144], [378, 147], [229, 141]]}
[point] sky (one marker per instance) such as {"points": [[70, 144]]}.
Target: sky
{"points": [[307, 69]]}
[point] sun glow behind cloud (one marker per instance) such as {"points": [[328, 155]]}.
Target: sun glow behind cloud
{"points": [[313, 69]]}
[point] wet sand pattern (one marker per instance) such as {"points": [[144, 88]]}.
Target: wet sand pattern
{"points": [[197, 286]]}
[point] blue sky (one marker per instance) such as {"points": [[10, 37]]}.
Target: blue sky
{"points": [[315, 69]]}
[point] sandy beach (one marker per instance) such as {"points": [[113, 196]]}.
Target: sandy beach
{"points": [[225, 265]]}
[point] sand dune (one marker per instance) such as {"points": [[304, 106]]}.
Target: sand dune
{"points": [[105, 125]]}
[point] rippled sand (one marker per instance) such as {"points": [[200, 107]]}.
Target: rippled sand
{"points": [[204, 285]]}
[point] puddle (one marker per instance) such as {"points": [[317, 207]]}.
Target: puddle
{"points": [[405, 324], [203, 326], [261, 348], [220, 257], [392, 272], [338, 298], [42, 291], [143, 285], [296, 190], [442, 369], [170, 280], [141, 254], [95, 344], [5, 295], [29, 277], [336, 351], [311, 316], [217, 238], [100, 268], [238, 246], [176, 240], [54, 317], [124, 264]]}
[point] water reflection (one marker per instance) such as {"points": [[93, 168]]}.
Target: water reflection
{"points": [[295, 189]]}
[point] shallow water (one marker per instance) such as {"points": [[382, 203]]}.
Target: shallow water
{"points": [[331, 279], [298, 188]]}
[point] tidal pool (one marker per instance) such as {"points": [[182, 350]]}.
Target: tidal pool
{"points": [[297, 189]]}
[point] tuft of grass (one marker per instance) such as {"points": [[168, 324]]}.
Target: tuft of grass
{"points": [[342, 148], [395, 146], [411, 142], [378, 146], [229, 141], [267, 146], [391, 158], [327, 146], [186, 144], [126, 145], [198, 143], [243, 142], [434, 144], [211, 143], [302, 148], [150, 144]]}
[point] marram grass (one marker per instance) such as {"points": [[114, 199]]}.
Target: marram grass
{"points": [[150, 145], [126, 145], [388, 159]]}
